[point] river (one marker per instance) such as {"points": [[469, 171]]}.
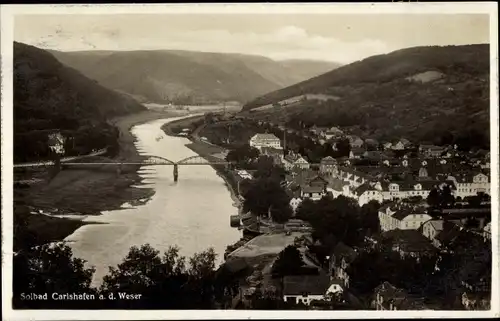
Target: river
{"points": [[192, 213]]}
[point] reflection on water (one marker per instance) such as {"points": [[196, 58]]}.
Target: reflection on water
{"points": [[192, 213]]}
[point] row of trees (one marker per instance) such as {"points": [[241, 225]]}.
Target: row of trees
{"points": [[163, 281]]}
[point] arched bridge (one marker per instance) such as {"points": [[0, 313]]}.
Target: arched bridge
{"points": [[145, 161]]}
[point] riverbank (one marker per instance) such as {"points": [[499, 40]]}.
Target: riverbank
{"points": [[86, 191]]}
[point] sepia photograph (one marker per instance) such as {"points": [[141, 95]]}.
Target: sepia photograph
{"points": [[312, 160]]}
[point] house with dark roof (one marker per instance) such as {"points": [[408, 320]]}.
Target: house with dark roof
{"points": [[339, 261], [389, 297], [431, 150], [408, 243], [475, 218], [402, 216], [369, 192], [304, 289]]}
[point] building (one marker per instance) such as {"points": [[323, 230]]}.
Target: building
{"points": [[304, 289], [291, 161], [432, 228], [408, 243], [328, 165], [431, 150], [368, 192], [339, 262], [332, 133], [469, 184], [355, 141], [275, 153], [473, 218], [265, 140], [314, 188], [402, 217], [294, 203], [337, 187], [389, 297], [55, 142]]}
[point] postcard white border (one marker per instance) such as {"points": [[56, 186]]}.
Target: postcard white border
{"points": [[9, 11]]}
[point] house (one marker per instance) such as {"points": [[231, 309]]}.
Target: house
{"points": [[293, 160], [397, 145], [408, 243], [469, 184], [432, 228], [312, 192], [339, 262], [487, 232], [328, 165], [368, 192], [337, 187], [356, 152], [294, 203], [275, 153], [333, 132], [314, 188], [431, 150], [475, 218], [389, 297], [355, 141], [55, 142], [265, 140], [303, 289], [402, 216]]}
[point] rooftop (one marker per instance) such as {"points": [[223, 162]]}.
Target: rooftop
{"points": [[305, 284]]}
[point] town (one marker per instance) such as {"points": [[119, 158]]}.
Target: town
{"points": [[372, 225]]}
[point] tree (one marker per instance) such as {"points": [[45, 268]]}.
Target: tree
{"points": [[266, 168], [434, 199], [49, 268], [155, 277], [289, 262], [242, 155], [265, 195], [369, 217], [338, 218]]}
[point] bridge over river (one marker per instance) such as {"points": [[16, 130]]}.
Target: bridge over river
{"points": [[87, 160]]}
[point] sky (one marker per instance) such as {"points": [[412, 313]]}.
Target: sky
{"points": [[341, 38]]}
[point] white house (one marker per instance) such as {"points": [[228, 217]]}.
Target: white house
{"points": [[328, 165], [366, 193], [312, 192], [294, 203], [402, 217], [295, 161], [470, 184], [265, 140]]}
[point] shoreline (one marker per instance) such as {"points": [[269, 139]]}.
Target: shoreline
{"points": [[85, 192]]}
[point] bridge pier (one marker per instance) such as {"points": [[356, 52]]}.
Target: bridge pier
{"points": [[176, 172]]}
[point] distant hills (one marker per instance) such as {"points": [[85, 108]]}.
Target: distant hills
{"points": [[49, 96], [187, 77], [422, 93]]}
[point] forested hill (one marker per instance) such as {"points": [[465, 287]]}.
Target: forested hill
{"points": [[49, 96], [417, 92], [189, 77]]}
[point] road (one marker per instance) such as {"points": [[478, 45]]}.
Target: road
{"points": [[65, 159]]}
